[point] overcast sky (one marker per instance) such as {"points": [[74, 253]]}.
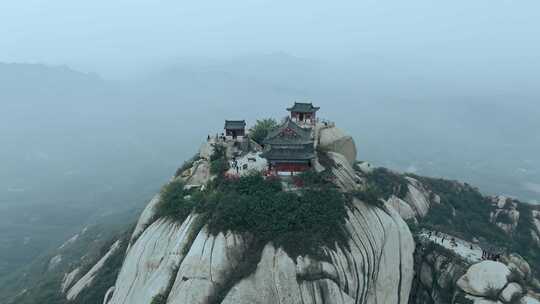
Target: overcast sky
{"points": [[115, 37]]}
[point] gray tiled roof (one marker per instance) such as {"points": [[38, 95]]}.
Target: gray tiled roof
{"points": [[289, 133], [303, 154], [289, 142], [303, 107], [235, 124]]}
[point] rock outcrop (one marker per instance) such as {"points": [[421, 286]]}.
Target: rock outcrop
{"points": [[89, 277], [198, 267], [505, 214], [181, 261], [184, 263], [483, 278], [536, 231], [449, 275], [69, 278], [331, 138], [151, 262], [418, 197], [402, 207], [437, 272]]}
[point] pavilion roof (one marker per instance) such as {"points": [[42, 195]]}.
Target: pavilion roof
{"points": [[235, 124], [289, 133], [303, 107]]}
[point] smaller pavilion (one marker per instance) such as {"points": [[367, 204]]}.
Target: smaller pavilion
{"points": [[235, 128], [303, 113]]}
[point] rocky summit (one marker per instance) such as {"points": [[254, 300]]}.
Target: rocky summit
{"points": [[341, 231]]}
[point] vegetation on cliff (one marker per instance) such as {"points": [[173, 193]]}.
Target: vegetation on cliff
{"points": [[301, 222], [261, 128], [465, 212], [385, 183], [522, 237], [47, 290]]}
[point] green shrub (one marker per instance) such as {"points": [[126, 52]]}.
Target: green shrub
{"points": [[159, 299], [463, 212], [187, 164], [300, 223], [504, 218], [219, 163], [173, 202], [261, 128], [370, 195], [220, 152], [312, 179], [522, 237], [324, 159], [516, 299], [491, 293], [515, 276], [106, 276], [388, 183], [413, 226], [462, 299], [219, 166]]}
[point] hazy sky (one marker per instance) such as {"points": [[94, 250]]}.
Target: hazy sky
{"points": [[113, 37]]}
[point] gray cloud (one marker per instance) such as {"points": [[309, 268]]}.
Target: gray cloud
{"points": [[461, 38]]}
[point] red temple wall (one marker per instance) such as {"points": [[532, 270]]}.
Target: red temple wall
{"points": [[290, 167]]}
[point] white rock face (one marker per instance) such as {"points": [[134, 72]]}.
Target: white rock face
{"points": [[151, 262], [506, 214], [418, 197], [206, 149], [535, 237], [537, 225], [200, 173], [146, 216], [55, 261], [108, 295], [404, 209], [529, 300], [72, 240], [69, 278], [482, 276], [512, 290], [346, 177], [88, 278], [500, 201], [365, 167], [516, 262], [333, 139], [375, 267], [378, 268], [207, 267]]}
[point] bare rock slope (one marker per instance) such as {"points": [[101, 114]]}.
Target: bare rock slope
{"points": [[184, 263]]}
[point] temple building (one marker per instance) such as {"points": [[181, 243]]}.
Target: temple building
{"points": [[289, 148], [303, 113], [235, 128]]}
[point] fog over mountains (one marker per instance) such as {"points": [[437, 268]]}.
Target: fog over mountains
{"points": [[77, 147]]}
